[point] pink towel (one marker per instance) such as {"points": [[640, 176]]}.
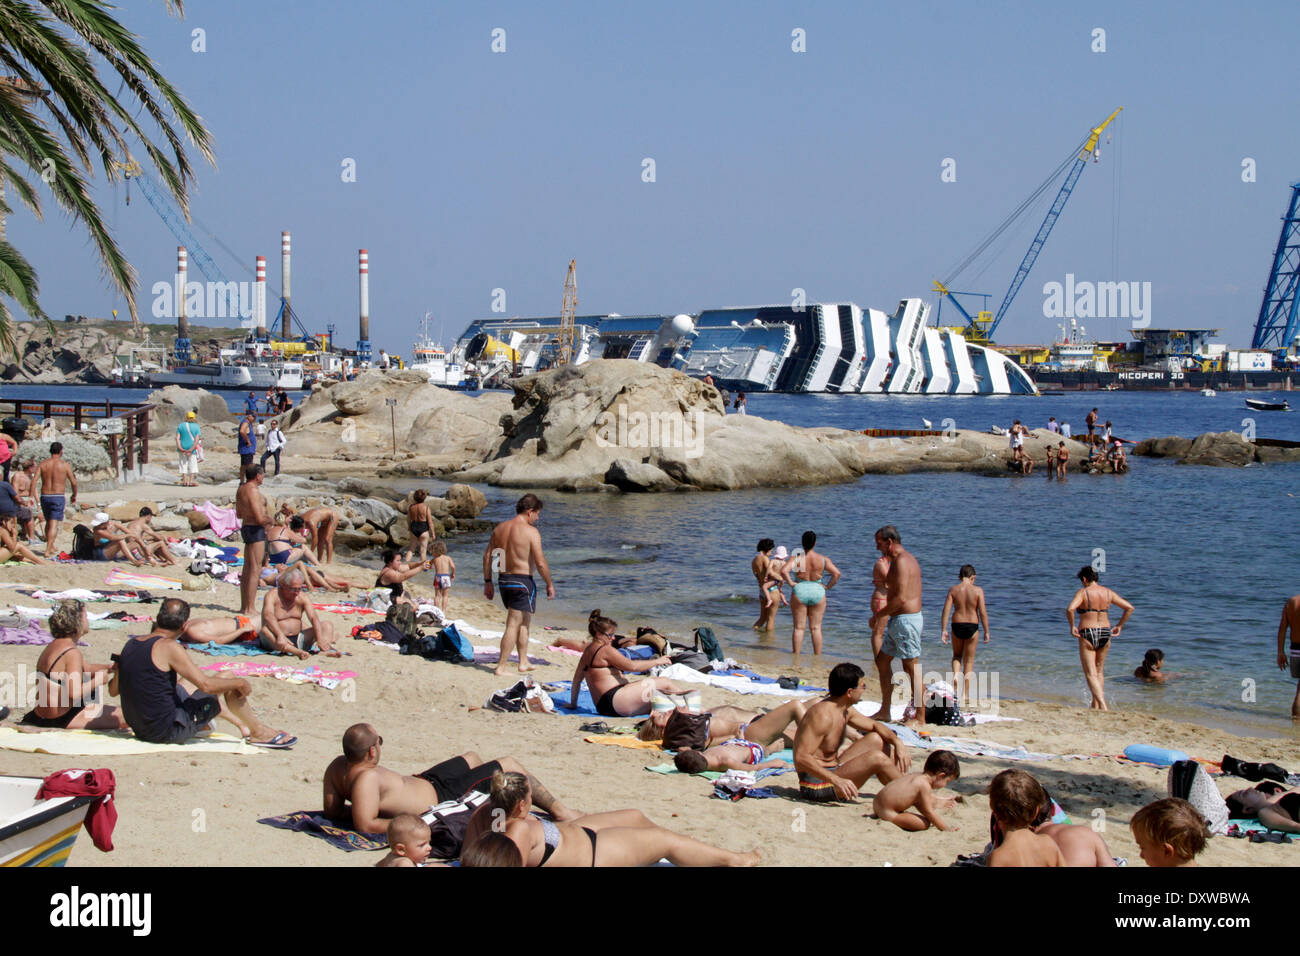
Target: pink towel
{"points": [[223, 520]]}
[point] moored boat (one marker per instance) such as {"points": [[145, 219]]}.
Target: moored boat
{"points": [[37, 832], [1259, 405]]}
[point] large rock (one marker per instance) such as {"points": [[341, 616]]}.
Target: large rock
{"points": [[464, 501], [1220, 449], [1171, 446], [171, 404], [374, 511], [637, 476]]}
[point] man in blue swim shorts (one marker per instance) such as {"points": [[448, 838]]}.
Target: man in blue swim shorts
{"points": [[520, 544], [53, 475], [902, 638]]}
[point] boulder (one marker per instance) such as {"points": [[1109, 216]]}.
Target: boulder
{"points": [[1221, 449], [170, 522], [462, 501], [637, 476], [129, 510], [374, 511], [173, 402], [198, 521], [1171, 446]]}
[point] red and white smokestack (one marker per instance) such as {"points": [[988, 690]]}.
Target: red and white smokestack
{"points": [[182, 267], [363, 264], [284, 284], [259, 298]]}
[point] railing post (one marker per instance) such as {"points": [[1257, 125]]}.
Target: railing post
{"points": [[76, 416]]}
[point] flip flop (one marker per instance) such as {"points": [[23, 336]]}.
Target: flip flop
{"points": [[280, 741], [595, 727]]}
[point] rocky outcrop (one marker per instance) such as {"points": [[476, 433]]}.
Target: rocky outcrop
{"points": [[436, 429], [1217, 449], [173, 403], [622, 425]]}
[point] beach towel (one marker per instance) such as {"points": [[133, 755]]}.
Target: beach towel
{"points": [[224, 521], [976, 748], [897, 709], [489, 655], [314, 823], [233, 649], [344, 609], [138, 579], [311, 675], [586, 706], [621, 741], [741, 685], [90, 597], [29, 633], [112, 743]]}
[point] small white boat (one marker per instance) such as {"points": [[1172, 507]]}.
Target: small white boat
{"points": [[37, 832], [1259, 405], [1209, 392]]}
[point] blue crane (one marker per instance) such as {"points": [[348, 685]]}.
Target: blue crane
{"points": [[981, 326], [1278, 326]]}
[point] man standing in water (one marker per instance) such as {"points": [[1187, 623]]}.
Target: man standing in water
{"points": [[902, 637], [52, 474], [1291, 657], [521, 543]]}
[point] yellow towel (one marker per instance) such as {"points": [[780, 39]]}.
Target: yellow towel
{"points": [[618, 741], [96, 743]]}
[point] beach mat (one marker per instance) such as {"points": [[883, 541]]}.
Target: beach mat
{"points": [[976, 748], [293, 675], [112, 743], [318, 825], [617, 740], [233, 649], [139, 579]]}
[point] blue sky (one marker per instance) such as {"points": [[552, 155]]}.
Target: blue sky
{"points": [[774, 170]]}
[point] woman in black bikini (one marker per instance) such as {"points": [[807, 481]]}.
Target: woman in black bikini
{"points": [[1093, 631], [617, 838], [66, 681], [602, 666]]}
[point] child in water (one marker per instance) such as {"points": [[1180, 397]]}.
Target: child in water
{"points": [[1149, 671]]}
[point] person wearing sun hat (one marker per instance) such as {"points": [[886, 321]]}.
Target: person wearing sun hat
{"points": [[187, 447]]}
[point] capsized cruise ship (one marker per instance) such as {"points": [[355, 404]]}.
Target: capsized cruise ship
{"points": [[820, 347]]}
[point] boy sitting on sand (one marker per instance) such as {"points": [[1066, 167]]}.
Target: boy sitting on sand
{"points": [[1016, 800], [893, 802], [408, 841], [1169, 832]]}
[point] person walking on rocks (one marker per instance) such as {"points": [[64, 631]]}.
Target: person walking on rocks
{"points": [[275, 442], [52, 476], [187, 447], [520, 543]]}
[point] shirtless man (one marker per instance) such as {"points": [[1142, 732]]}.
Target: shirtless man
{"points": [[220, 630], [1062, 459], [140, 529], [759, 566], [521, 543], [25, 487], [902, 637], [52, 475], [321, 523], [826, 774], [250, 508], [1091, 422], [378, 794], [745, 747], [727, 722], [282, 612], [965, 602], [1290, 658]]}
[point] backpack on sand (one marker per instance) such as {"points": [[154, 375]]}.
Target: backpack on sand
{"points": [[402, 616], [449, 822], [706, 641]]}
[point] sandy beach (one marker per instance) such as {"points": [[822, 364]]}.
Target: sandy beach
{"points": [[192, 808]]}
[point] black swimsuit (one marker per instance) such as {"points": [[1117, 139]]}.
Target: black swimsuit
{"points": [[32, 719]]}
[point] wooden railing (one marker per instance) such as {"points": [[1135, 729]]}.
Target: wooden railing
{"points": [[127, 448]]}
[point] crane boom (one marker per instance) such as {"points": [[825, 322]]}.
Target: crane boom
{"points": [[1049, 221], [1279, 324]]}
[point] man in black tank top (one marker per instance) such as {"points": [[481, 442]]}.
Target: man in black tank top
{"points": [[163, 710]]}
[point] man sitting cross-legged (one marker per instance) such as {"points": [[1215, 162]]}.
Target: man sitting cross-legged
{"points": [[826, 774], [378, 794], [282, 612], [164, 710]]}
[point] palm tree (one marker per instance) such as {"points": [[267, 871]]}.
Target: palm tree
{"points": [[58, 120]]}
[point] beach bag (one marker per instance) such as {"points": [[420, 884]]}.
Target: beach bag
{"points": [[449, 822], [692, 659], [198, 450], [941, 706], [421, 646], [402, 617], [706, 641], [1188, 781], [454, 646], [685, 731], [525, 697]]}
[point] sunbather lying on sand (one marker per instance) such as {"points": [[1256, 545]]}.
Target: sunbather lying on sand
{"points": [[378, 794], [221, 630], [617, 838], [745, 748], [727, 722]]}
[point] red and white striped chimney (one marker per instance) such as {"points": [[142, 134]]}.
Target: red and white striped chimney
{"points": [[182, 268], [363, 264], [284, 284], [259, 298]]}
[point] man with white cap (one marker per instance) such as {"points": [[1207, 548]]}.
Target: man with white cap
{"points": [[187, 446]]}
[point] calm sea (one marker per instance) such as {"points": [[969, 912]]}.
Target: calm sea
{"points": [[1204, 554]]}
